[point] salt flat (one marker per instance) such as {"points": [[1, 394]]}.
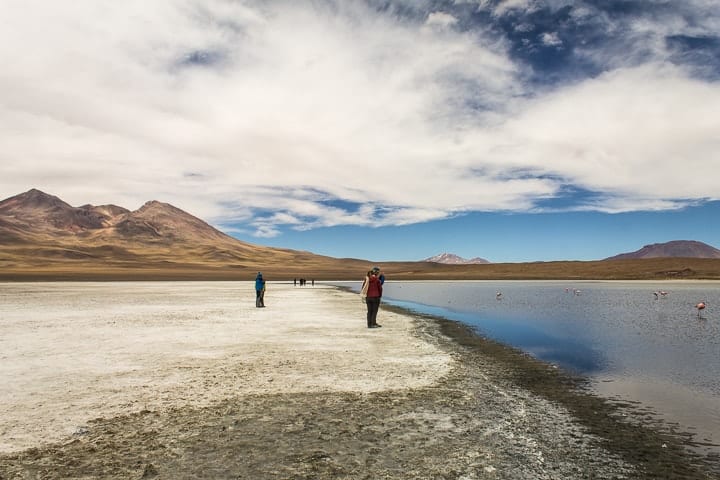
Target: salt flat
{"points": [[73, 352], [190, 380]]}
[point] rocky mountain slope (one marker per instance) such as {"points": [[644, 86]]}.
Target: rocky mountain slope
{"points": [[38, 230]]}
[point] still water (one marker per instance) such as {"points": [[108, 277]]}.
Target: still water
{"points": [[630, 343]]}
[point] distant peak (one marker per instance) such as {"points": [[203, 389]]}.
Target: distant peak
{"points": [[35, 193], [674, 248], [155, 209], [452, 259], [156, 205], [35, 198]]}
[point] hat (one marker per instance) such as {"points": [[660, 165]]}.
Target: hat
{"points": [[376, 269]]}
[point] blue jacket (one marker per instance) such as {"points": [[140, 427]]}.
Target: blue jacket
{"points": [[259, 282]]}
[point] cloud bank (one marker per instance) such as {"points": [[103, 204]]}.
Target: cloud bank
{"points": [[283, 114]]}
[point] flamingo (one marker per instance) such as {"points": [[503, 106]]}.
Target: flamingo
{"points": [[656, 295], [700, 307], [498, 295]]}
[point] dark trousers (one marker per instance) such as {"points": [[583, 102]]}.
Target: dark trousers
{"points": [[260, 298], [373, 305]]}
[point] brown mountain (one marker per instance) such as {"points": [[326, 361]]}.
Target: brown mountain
{"points": [[40, 232], [676, 248], [35, 211]]}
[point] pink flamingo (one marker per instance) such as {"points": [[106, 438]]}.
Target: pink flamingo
{"points": [[700, 307]]}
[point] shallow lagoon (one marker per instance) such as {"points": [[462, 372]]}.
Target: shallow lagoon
{"points": [[632, 345]]}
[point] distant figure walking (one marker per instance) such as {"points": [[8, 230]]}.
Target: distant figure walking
{"points": [[700, 307], [372, 292], [259, 290]]}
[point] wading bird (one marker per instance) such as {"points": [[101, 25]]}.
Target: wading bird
{"points": [[700, 307]]}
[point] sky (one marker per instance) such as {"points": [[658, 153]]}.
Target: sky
{"points": [[512, 130]]}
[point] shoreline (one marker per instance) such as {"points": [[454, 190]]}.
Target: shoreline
{"points": [[683, 395], [493, 413], [626, 429]]}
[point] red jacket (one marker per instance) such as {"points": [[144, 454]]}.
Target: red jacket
{"points": [[374, 287]]}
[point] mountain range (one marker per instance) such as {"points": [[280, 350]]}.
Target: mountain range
{"points": [[672, 249], [41, 231], [44, 238]]}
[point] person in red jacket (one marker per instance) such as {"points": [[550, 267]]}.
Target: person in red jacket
{"points": [[372, 288]]}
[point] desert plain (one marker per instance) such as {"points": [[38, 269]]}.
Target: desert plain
{"points": [[189, 380]]}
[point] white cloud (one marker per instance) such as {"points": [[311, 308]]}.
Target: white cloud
{"points": [[551, 39], [265, 230], [280, 113], [441, 19], [644, 133], [507, 5], [632, 204]]}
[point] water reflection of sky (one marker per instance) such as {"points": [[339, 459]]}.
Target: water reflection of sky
{"points": [[616, 329], [569, 353]]}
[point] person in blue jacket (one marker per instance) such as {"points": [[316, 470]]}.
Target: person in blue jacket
{"points": [[259, 290], [380, 275]]}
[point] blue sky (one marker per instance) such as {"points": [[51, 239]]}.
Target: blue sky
{"points": [[515, 237], [514, 130]]}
